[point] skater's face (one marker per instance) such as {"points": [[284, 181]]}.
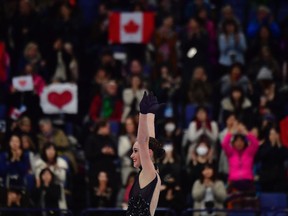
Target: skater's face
{"points": [[135, 156]]}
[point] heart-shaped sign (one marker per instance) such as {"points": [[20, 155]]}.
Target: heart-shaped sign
{"points": [[22, 82], [59, 99]]}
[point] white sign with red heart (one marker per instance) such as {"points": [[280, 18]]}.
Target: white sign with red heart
{"points": [[23, 83], [59, 98]]}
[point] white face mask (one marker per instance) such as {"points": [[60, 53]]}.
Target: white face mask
{"points": [[202, 150], [170, 127], [168, 147]]}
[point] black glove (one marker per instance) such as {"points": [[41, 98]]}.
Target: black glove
{"points": [[144, 104], [149, 104]]}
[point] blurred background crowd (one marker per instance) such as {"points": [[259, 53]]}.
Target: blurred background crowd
{"points": [[220, 67]]}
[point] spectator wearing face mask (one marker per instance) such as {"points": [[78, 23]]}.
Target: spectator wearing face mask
{"points": [[197, 158], [172, 134], [170, 164], [240, 149], [202, 126]]}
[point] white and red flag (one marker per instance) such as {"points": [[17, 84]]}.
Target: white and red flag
{"points": [[131, 27]]}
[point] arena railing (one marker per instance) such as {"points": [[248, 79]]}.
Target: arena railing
{"points": [[36, 211], [281, 212], [236, 212], [121, 212]]}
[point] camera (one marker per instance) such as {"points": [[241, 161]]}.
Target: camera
{"points": [[209, 204]]}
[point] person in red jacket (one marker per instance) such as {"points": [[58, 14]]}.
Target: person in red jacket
{"points": [[107, 105]]}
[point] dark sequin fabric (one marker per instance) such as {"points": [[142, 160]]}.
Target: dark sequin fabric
{"points": [[140, 198], [138, 207]]}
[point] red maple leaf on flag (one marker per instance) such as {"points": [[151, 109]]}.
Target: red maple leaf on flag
{"points": [[131, 27]]}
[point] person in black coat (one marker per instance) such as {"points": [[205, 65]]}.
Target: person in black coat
{"points": [[48, 194], [58, 63], [272, 156]]}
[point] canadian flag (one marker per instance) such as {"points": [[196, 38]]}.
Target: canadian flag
{"points": [[134, 27]]}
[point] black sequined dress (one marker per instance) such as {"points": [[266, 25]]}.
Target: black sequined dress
{"points": [[140, 199]]}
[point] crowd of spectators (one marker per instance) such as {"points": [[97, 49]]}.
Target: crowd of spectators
{"points": [[221, 74]]}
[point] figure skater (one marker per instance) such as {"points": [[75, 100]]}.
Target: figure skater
{"points": [[144, 194]]}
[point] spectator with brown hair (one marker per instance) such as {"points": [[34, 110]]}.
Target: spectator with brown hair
{"points": [[208, 192]]}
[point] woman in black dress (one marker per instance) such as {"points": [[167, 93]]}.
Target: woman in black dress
{"points": [[144, 195]]}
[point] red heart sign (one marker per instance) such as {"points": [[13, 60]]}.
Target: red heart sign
{"points": [[22, 82], [59, 99]]}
